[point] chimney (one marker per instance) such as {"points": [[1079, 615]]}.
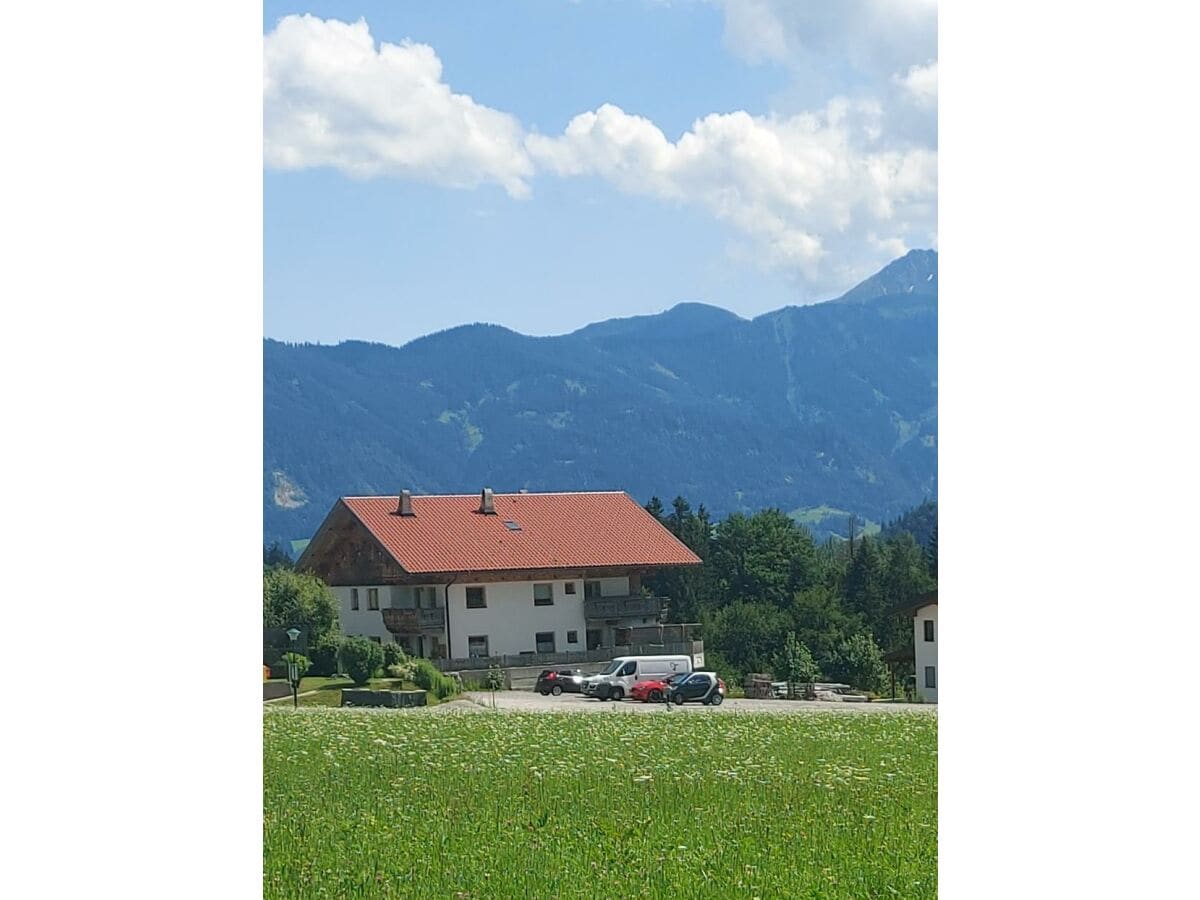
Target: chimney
{"points": [[405, 508], [486, 505]]}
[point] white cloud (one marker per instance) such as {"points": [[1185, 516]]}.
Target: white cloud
{"points": [[804, 189], [873, 36], [331, 98], [921, 84]]}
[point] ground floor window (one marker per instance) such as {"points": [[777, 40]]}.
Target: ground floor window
{"points": [[544, 641], [572, 637], [376, 638], [477, 646], [593, 638], [931, 676]]}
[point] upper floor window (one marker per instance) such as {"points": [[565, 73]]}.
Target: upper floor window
{"points": [[591, 590], [569, 587], [543, 595], [476, 599], [928, 629], [372, 598], [354, 598], [931, 676]]}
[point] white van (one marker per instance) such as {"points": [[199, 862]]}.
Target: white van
{"points": [[625, 671]]}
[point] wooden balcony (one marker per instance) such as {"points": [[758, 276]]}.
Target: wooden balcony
{"points": [[411, 621], [622, 607]]}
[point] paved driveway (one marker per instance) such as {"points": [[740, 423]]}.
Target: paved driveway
{"points": [[531, 701]]}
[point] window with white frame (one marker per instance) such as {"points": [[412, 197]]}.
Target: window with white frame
{"points": [[372, 598], [477, 646], [569, 587], [543, 595], [476, 599], [354, 598], [544, 640]]}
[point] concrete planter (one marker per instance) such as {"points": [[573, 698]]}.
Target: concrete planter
{"points": [[391, 699]]}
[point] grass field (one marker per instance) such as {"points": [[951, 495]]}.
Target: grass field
{"points": [[361, 803]]}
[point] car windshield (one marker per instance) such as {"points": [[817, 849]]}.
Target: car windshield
{"points": [[612, 667]]}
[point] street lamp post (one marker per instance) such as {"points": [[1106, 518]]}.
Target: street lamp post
{"points": [[293, 673]]}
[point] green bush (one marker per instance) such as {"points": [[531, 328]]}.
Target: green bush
{"points": [[323, 654], [393, 655], [428, 677], [361, 658], [401, 671], [301, 661], [858, 662]]}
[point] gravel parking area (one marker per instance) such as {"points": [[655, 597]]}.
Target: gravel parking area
{"points": [[531, 701]]}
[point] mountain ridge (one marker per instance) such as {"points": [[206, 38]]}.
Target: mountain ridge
{"points": [[831, 404]]}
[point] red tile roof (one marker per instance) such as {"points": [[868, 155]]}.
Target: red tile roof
{"points": [[446, 533]]}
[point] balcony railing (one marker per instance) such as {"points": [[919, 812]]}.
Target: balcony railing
{"points": [[409, 621], [622, 607]]}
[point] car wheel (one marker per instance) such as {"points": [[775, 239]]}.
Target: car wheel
{"points": [[678, 699], [556, 690], [717, 699], [656, 696], [618, 694]]}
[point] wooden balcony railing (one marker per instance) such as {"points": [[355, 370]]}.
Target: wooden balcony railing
{"points": [[410, 621], [622, 607]]}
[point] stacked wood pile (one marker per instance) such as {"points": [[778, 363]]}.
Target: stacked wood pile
{"points": [[758, 686]]}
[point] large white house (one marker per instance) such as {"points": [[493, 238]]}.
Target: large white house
{"points": [[463, 575]]}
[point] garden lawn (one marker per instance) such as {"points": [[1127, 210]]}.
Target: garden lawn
{"points": [[375, 803]]}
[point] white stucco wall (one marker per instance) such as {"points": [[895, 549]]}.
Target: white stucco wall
{"points": [[926, 651], [363, 622], [510, 620]]}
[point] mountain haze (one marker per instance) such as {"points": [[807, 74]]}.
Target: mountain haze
{"points": [[830, 405]]}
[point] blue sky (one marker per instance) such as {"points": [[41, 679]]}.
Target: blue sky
{"points": [[545, 164]]}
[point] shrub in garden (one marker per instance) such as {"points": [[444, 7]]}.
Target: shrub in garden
{"points": [[323, 654], [301, 661], [428, 677], [361, 658], [393, 655], [401, 671]]}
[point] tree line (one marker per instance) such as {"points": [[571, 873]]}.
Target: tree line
{"points": [[765, 579]]}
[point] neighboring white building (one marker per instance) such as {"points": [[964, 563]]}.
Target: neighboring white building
{"points": [[925, 635], [458, 576]]}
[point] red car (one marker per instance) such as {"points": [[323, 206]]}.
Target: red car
{"points": [[655, 690]]}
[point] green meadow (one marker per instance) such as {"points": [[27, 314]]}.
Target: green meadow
{"points": [[420, 804]]}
